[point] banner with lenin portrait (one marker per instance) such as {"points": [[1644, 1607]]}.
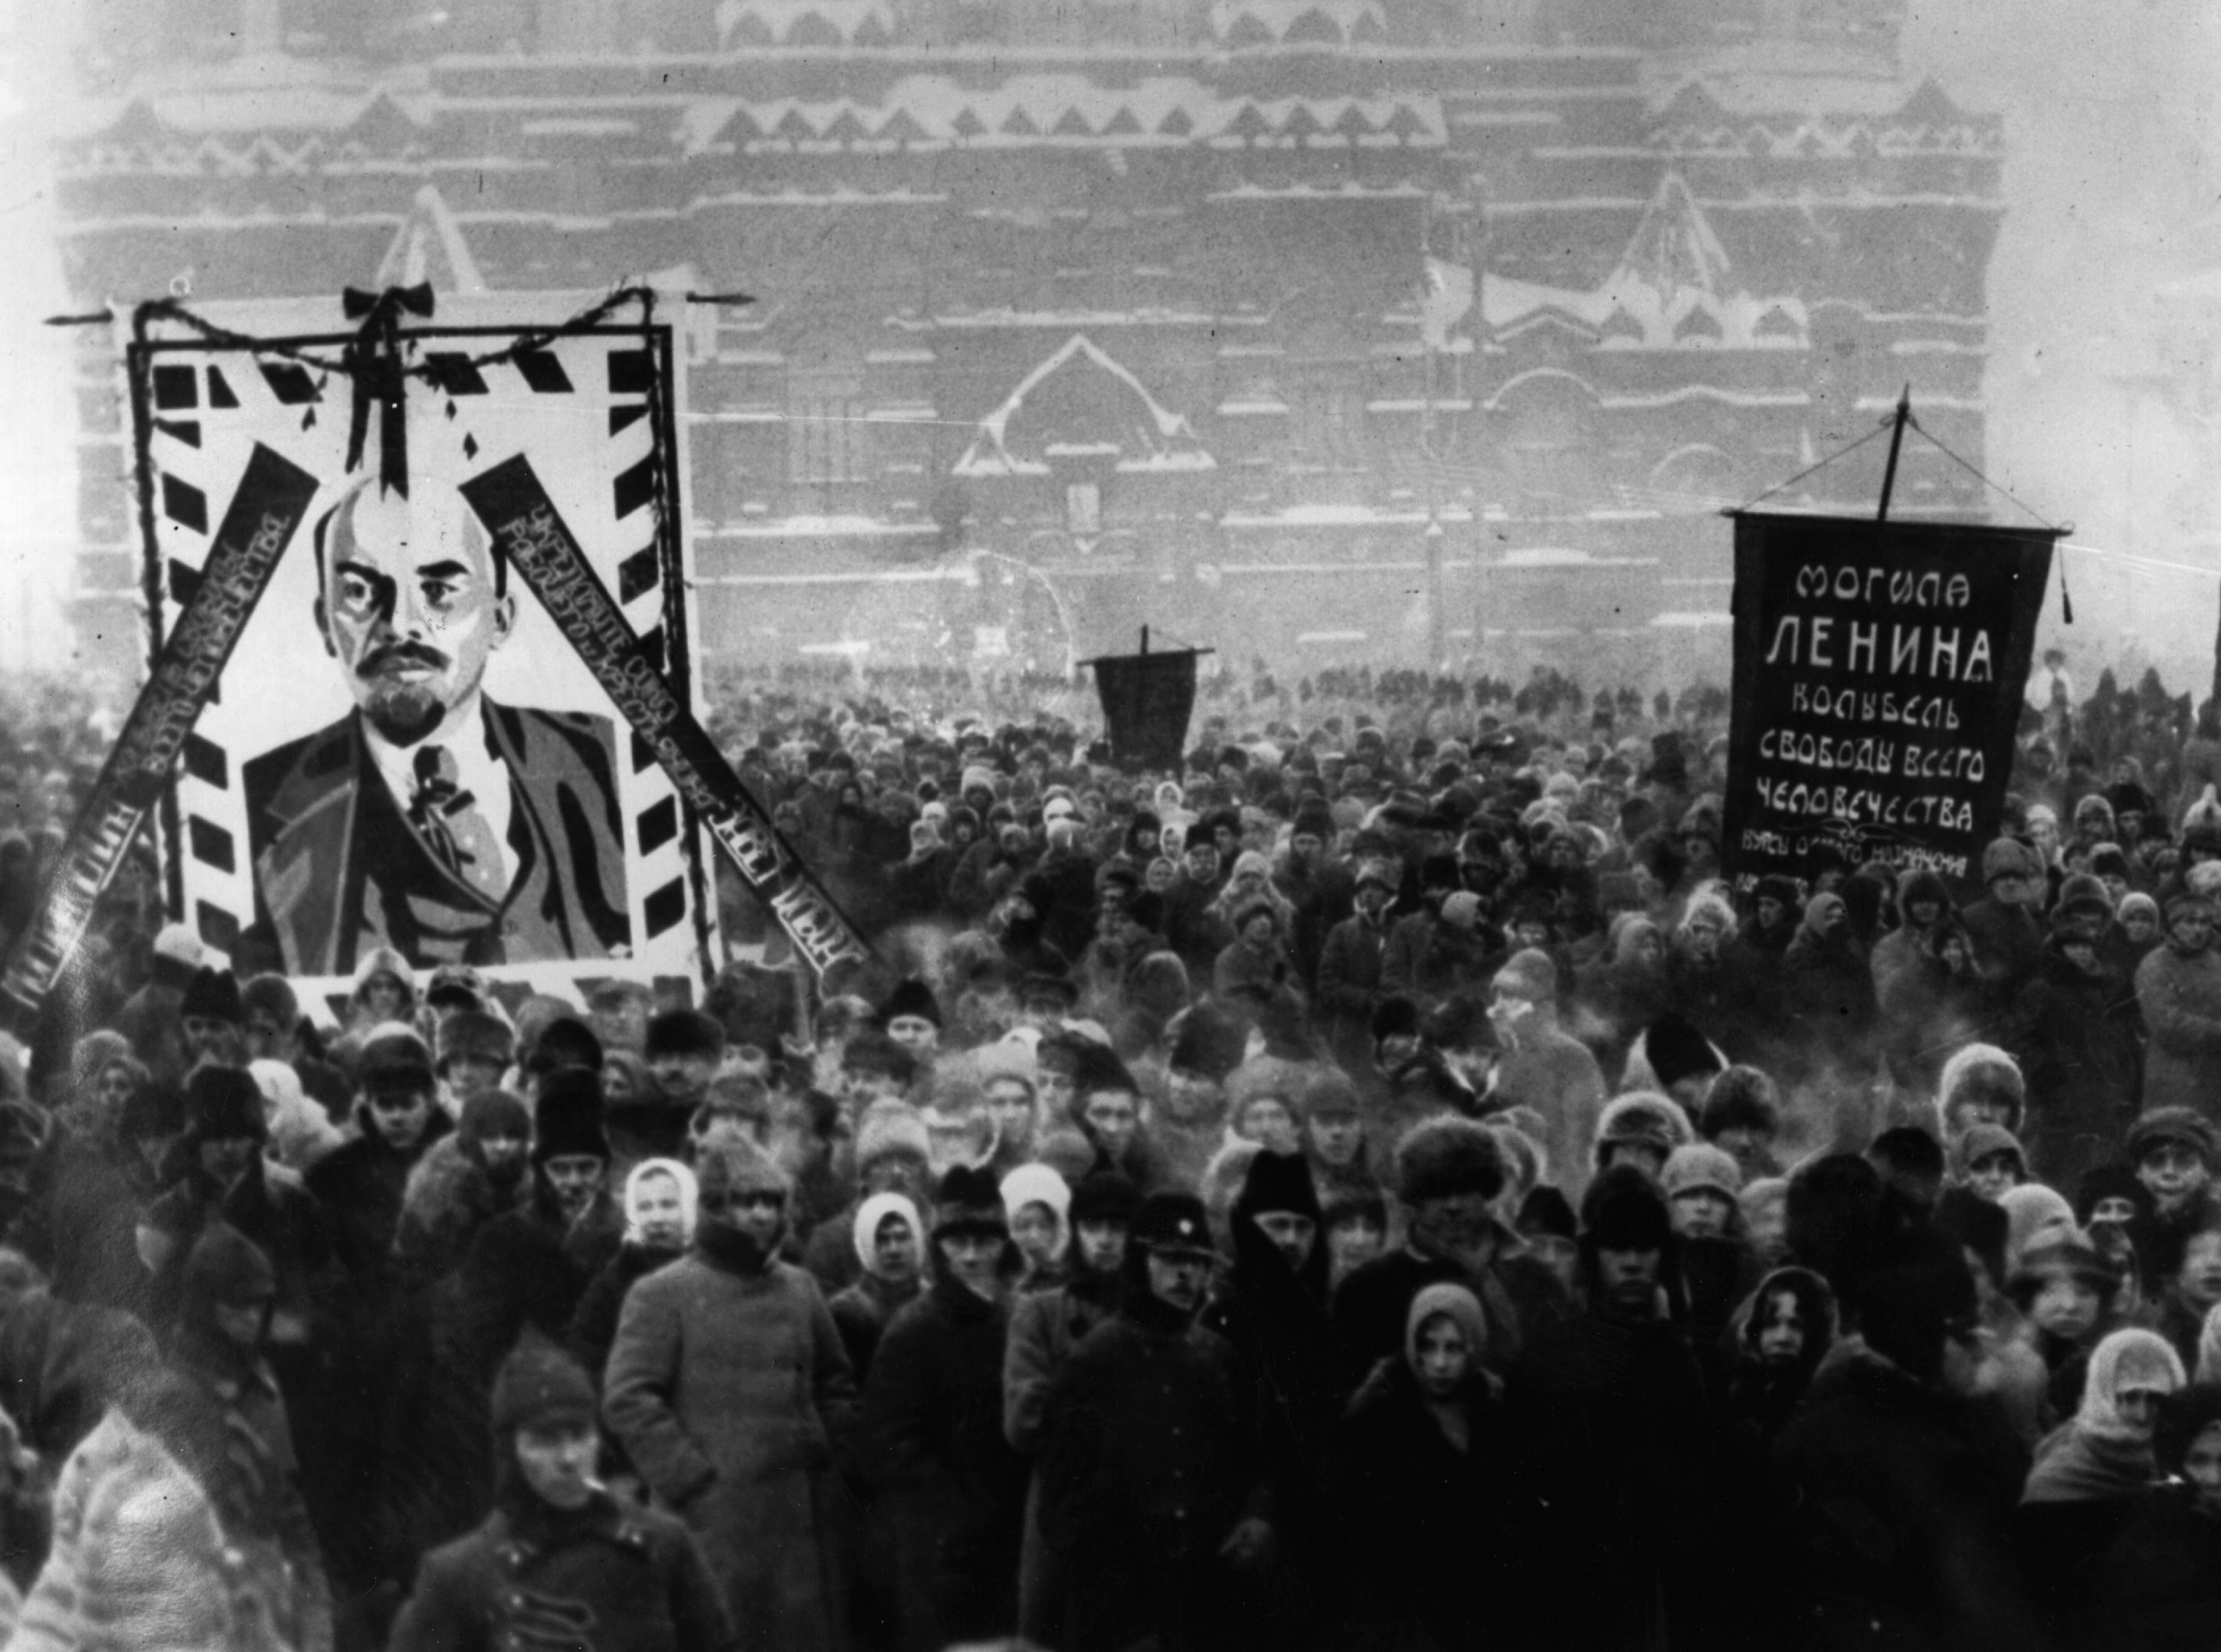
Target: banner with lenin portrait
{"points": [[406, 751]]}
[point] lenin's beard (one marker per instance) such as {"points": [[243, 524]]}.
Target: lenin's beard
{"points": [[402, 709]]}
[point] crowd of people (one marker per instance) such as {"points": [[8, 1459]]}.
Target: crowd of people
{"points": [[1383, 1187]]}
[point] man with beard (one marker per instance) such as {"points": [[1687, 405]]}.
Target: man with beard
{"points": [[1151, 1501], [429, 818]]}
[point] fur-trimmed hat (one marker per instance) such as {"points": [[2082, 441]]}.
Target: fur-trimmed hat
{"points": [[393, 1058], [732, 1163], [1642, 1117], [472, 1035], [541, 1386], [1741, 1098], [2081, 892], [566, 1116], [2008, 857], [1701, 1167], [1982, 1074], [888, 1128], [213, 996], [1279, 1181], [1443, 1158], [1625, 1210], [2183, 1125], [1676, 1050], [1328, 1093], [683, 1033], [1106, 1195], [968, 1202], [1210, 1044], [223, 1102], [1395, 1016]]}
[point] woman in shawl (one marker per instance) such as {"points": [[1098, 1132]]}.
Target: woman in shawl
{"points": [[890, 1242], [1430, 1537], [2159, 1588], [659, 1211], [2091, 1475]]}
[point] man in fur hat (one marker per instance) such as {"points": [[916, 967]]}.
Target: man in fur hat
{"points": [[1449, 1172]]}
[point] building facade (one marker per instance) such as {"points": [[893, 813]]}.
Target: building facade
{"points": [[1311, 329]]}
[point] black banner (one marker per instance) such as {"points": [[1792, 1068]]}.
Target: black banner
{"points": [[1879, 667], [265, 514], [1146, 701], [526, 526]]}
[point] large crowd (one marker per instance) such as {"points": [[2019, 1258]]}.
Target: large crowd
{"points": [[1382, 1187]]}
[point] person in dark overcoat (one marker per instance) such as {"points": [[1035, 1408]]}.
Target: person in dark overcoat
{"points": [[561, 1562], [1151, 1498], [951, 1489]]}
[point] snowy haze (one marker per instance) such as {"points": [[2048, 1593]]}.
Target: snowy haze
{"points": [[2103, 387]]}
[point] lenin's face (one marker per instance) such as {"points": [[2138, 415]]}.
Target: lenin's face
{"points": [[410, 607]]}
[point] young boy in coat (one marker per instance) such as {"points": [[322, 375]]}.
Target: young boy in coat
{"points": [[561, 1562]]}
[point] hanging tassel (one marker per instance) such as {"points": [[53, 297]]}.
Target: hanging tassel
{"points": [[2065, 600], [373, 364]]}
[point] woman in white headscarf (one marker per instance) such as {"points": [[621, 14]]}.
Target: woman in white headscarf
{"points": [[658, 1210], [890, 1242]]}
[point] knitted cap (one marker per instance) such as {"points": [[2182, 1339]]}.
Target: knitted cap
{"points": [[226, 1269], [1701, 1167], [540, 1387], [731, 1163], [472, 1035], [2185, 1126], [1530, 975], [393, 1058]]}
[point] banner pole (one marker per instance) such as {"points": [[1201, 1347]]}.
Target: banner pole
{"points": [[1896, 444]]}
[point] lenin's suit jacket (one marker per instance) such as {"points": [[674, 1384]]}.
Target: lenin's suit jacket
{"points": [[338, 868]]}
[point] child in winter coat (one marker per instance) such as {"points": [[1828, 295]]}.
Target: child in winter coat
{"points": [[561, 1562]]}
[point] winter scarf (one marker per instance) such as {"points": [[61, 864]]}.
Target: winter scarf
{"points": [[2100, 1455]]}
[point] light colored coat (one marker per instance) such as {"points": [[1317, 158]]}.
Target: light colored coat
{"points": [[730, 1392]]}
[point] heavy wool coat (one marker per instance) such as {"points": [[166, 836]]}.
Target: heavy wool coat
{"points": [[951, 1488], [731, 1394], [610, 1579], [2179, 995]]}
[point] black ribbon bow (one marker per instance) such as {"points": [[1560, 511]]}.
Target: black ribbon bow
{"points": [[373, 364]]}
